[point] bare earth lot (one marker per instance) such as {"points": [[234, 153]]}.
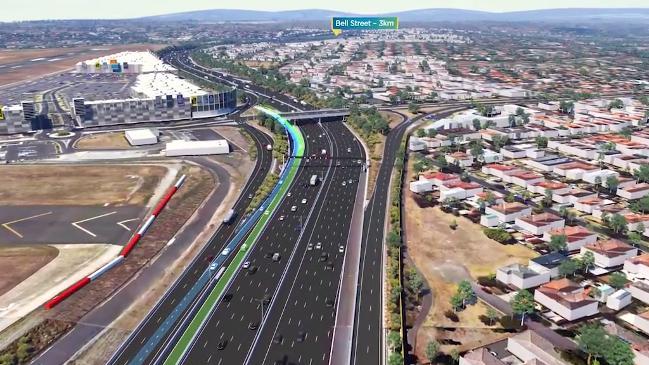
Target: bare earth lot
{"points": [[79, 184], [30, 72], [24, 261], [444, 257], [101, 141]]}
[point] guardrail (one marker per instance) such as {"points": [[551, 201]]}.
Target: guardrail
{"points": [[123, 254]]}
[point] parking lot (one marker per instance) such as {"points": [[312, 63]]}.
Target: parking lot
{"points": [[33, 150], [51, 224]]}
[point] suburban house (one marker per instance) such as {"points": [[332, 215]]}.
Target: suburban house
{"points": [[420, 186], [521, 277], [641, 321], [572, 196], [640, 290], [503, 213], [610, 253], [499, 170], [538, 224], [576, 237], [532, 348], [556, 187], [567, 299], [589, 205], [459, 158], [525, 178], [549, 263], [459, 190], [440, 178], [480, 356], [637, 267], [635, 191], [619, 300]]}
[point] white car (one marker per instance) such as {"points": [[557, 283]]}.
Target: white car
{"points": [[344, 183], [341, 248], [289, 194], [318, 245], [309, 247], [213, 266], [246, 264], [225, 251], [281, 217], [293, 208], [303, 201]]}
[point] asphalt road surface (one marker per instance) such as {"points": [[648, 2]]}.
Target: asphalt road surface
{"points": [[146, 329]]}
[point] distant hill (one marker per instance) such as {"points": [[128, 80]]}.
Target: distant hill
{"points": [[421, 15]]}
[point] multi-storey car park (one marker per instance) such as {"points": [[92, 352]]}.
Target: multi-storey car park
{"points": [[149, 90]]}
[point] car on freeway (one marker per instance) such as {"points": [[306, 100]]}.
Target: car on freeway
{"points": [[323, 257], [269, 147], [349, 149], [301, 336], [281, 217], [293, 208], [252, 270], [318, 245], [303, 201], [246, 264], [278, 338], [309, 247], [225, 251], [221, 345], [209, 258], [249, 196], [341, 248], [253, 326], [276, 256], [213, 266], [344, 183], [289, 194]]}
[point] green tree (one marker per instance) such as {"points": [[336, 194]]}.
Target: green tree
{"points": [[465, 291], [492, 315], [499, 141], [477, 125], [432, 350], [612, 183], [616, 104], [617, 223], [413, 108], [455, 355], [642, 173], [523, 304], [456, 302], [432, 132], [477, 151], [618, 352], [394, 341], [420, 133], [395, 358], [541, 142], [568, 268], [547, 198], [558, 242], [592, 339], [617, 280], [587, 260]]}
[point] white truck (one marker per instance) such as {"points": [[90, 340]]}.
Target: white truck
{"points": [[314, 180]]}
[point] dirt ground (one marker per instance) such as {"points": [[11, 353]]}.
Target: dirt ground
{"points": [[103, 346], [78, 184], [450, 256], [99, 141], [40, 69], [23, 260]]}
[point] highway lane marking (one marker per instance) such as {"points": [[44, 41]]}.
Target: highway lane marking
{"points": [[121, 223], [8, 224], [76, 224]]}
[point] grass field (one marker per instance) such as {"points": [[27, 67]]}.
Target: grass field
{"points": [[449, 256], [98, 141], [79, 184], [23, 260]]}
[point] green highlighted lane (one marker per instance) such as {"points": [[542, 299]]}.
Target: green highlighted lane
{"points": [[288, 175]]}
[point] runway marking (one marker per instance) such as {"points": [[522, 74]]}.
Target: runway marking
{"points": [[125, 221], [76, 224], [7, 225]]}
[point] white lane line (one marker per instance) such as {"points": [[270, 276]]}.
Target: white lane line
{"points": [[76, 224], [7, 225], [121, 223]]}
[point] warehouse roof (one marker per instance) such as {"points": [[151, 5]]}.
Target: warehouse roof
{"points": [[149, 62]]}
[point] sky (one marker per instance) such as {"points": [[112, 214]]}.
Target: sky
{"points": [[115, 9]]}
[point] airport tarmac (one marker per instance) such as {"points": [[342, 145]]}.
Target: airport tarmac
{"points": [[48, 224]]}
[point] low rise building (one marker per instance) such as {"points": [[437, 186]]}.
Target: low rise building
{"points": [[567, 299], [538, 224], [610, 253], [532, 348], [576, 237], [521, 277], [504, 213], [549, 262], [619, 300], [637, 267]]}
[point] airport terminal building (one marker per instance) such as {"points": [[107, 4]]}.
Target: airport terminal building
{"points": [[19, 118]]}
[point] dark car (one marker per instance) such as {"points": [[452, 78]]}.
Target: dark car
{"points": [[253, 326], [267, 299], [301, 336], [278, 338], [252, 270], [221, 345]]}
